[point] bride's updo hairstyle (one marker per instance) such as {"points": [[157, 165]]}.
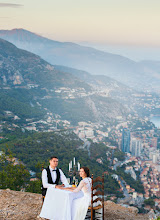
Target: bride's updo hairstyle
{"points": [[86, 170]]}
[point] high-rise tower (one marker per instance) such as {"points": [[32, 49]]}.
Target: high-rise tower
{"points": [[136, 147], [125, 140]]}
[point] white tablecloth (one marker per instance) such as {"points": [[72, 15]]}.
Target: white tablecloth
{"points": [[57, 204]]}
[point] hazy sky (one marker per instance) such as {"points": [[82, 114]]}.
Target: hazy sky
{"points": [[102, 21]]}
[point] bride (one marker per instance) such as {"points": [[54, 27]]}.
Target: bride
{"points": [[80, 206]]}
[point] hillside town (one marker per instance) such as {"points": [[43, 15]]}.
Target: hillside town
{"points": [[134, 135], [80, 110]]}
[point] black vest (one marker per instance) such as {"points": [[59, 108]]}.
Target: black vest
{"points": [[44, 190]]}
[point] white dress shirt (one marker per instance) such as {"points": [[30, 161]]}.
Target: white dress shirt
{"points": [[54, 176]]}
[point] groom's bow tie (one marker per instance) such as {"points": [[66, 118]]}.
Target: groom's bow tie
{"points": [[53, 170]]}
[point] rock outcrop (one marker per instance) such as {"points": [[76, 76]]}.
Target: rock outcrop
{"points": [[19, 205], [27, 206], [117, 212]]}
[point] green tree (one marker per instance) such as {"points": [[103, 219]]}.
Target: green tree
{"points": [[150, 202], [34, 186], [12, 176]]}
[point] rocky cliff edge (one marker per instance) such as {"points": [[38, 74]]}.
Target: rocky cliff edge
{"points": [[27, 206]]}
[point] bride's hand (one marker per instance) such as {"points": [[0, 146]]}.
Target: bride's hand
{"points": [[69, 188]]}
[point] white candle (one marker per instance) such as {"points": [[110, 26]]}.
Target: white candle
{"points": [[74, 161], [71, 164], [78, 166]]}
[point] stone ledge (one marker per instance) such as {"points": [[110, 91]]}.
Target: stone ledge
{"points": [[15, 205]]}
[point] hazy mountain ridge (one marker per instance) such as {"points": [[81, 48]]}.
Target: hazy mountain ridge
{"points": [[94, 80], [104, 85], [19, 67], [131, 73], [22, 69]]}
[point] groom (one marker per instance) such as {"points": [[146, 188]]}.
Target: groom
{"points": [[51, 176]]}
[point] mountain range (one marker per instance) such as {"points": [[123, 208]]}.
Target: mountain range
{"points": [[97, 81], [24, 73], [140, 75], [19, 67]]}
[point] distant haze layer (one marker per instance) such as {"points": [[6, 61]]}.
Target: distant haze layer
{"points": [[134, 22], [143, 75], [136, 53]]}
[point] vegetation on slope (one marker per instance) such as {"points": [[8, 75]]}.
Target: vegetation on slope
{"points": [[34, 150]]}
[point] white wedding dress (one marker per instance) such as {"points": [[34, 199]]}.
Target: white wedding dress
{"points": [[80, 206]]}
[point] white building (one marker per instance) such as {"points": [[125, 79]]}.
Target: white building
{"points": [[154, 156], [81, 135], [136, 147], [130, 170], [89, 133]]}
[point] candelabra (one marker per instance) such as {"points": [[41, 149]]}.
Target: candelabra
{"points": [[74, 171]]}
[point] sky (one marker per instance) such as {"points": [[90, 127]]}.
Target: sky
{"points": [[123, 23]]}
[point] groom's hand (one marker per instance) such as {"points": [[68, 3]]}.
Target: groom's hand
{"points": [[59, 186]]}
